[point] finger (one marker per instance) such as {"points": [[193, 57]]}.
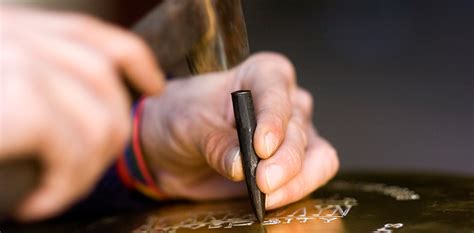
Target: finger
{"points": [[66, 178], [55, 193], [222, 152], [286, 163], [57, 187], [130, 52], [271, 79], [319, 166]]}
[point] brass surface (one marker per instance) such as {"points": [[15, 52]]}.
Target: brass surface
{"points": [[374, 202]]}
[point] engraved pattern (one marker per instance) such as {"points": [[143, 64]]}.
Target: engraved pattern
{"points": [[326, 210], [389, 228], [399, 193]]}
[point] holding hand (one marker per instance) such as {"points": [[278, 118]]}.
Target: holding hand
{"points": [[190, 141], [62, 99]]}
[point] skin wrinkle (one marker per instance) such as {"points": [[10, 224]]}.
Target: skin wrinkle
{"points": [[174, 163], [166, 160], [179, 131], [277, 132], [290, 157], [286, 104], [212, 155], [205, 146], [221, 144], [293, 158]]}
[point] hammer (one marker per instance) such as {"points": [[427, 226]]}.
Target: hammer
{"points": [[210, 35]]}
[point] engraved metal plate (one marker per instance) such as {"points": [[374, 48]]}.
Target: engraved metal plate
{"points": [[373, 203]]}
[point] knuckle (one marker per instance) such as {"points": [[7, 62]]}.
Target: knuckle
{"points": [[280, 114], [306, 99], [270, 94], [271, 62], [104, 80], [130, 45]]}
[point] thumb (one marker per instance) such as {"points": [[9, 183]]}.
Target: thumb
{"points": [[221, 151]]}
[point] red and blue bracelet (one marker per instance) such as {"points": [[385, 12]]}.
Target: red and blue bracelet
{"points": [[131, 165]]}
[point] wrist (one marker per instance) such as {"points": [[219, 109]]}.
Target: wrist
{"points": [[132, 166]]}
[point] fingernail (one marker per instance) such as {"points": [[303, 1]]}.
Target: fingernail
{"points": [[235, 163], [273, 176], [270, 143], [272, 200]]}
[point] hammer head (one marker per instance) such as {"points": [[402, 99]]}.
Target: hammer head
{"points": [[225, 44], [210, 34]]}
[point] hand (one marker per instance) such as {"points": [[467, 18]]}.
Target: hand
{"points": [[190, 141], [62, 99]]}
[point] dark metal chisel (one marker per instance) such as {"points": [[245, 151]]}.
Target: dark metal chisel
{"points": [[246, 123]]}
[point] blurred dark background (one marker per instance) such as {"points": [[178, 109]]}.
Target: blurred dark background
{"points": [[392, 80]]}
